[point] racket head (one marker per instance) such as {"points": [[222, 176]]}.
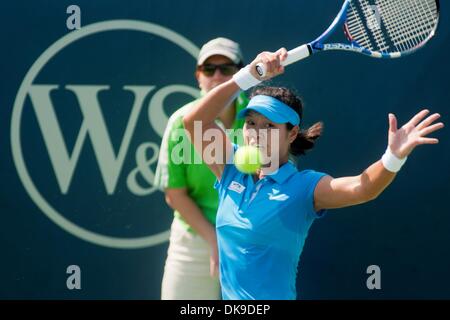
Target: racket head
{"points": [[390, 28]]}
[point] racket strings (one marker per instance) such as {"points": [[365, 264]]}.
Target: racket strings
{"points": [[355, 25], [392, 25], [374, 24], [408, 22]]}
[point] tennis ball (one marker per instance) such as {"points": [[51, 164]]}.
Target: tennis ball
{"points": [[247, 159]]}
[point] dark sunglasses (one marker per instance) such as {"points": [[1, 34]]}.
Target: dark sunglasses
{"points": [[227, 69]]}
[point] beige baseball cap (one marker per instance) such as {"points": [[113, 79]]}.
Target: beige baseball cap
{"points": [[220, 46]]}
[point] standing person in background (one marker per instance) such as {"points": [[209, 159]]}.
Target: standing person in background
{"points": [[191, 269]]}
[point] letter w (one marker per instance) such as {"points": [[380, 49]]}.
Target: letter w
{"points": [[93, 123]]}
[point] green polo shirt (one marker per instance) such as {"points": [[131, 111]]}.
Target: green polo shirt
{"points": [[176, 169]]}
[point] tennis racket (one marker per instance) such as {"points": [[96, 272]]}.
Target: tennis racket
{"points": [[377, 28]]}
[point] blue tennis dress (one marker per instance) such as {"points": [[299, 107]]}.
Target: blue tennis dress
{"points": [[261, 229]]}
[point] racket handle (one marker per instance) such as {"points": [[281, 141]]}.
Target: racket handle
{"points": [[294, 55]]}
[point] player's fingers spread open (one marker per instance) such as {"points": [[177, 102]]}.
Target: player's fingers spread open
{"points": [[428, 121], [431, 129], [392, 123], [428, 141], [418, 117]]}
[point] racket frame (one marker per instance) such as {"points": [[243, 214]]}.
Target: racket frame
{"points": [[318, 45]]}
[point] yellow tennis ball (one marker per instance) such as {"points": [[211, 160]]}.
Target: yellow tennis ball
{"points": [[247, 159]]}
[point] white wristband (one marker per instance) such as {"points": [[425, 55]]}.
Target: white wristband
{"points": [[391, 162], [244, 79]]}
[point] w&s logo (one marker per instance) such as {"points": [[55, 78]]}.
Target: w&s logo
{"points": [[86, 127]]}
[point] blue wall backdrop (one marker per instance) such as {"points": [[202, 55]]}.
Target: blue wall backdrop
{"points": [[82, 114]]}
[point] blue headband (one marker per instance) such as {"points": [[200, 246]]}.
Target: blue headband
{"points": [[271, 108]]}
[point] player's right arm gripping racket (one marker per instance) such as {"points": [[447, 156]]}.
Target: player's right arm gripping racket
{"points": [[377, 28]]}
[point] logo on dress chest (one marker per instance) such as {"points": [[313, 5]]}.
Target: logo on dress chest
{"points": [[277, 196], [236, 186]]}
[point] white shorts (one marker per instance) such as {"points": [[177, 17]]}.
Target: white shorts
{"points": [[186, 273]]}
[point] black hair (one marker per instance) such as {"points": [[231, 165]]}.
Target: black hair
{"points": [[306, 138]]}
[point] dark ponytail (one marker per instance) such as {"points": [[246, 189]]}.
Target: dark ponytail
{"points": [[306, 138]]}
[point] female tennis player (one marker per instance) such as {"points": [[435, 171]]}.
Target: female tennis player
{"points": [[264, 218]]}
